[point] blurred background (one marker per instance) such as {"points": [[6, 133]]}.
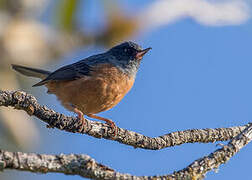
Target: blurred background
{"points": [[198, 75]]}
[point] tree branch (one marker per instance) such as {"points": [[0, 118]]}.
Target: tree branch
{"points": [[28, 103], [85, 166]]}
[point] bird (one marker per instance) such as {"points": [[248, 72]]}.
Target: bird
{"points": [[94, 84]]}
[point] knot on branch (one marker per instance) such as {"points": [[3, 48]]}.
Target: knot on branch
{"points": [[24, 101]]}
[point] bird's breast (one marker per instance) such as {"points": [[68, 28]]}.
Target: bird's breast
{"points": [[102, 90]]}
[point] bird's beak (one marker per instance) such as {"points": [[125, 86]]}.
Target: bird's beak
{"points": [[140, 54]]}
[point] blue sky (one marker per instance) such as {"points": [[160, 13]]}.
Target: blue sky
{"points": [[196, 76]]}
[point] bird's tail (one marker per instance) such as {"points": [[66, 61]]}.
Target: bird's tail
{"points": [[27, 71]]}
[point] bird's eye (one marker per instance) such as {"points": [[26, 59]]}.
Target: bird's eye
{"points": [[126, 50]]}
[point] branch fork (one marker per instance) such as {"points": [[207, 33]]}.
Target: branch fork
{"points": [[85, 166]]}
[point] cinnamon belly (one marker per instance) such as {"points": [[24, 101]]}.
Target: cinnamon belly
{"points": [[102, 90]]}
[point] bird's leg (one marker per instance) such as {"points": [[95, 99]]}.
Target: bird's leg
{"points": [[72, 107], [81, 117], [108, 121]]}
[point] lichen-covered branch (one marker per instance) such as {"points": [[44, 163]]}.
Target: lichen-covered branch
{"points": [[71, 164], [85, 166], [28, 103], [200, 167]]}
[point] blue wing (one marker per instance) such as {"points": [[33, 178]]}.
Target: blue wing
{"points": [[76, 70]]}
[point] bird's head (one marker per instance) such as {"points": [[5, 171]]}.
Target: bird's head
{"points": [[128, 56]]}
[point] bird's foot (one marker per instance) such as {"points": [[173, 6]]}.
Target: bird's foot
{"points": [[109, 122], [113, 127]]}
